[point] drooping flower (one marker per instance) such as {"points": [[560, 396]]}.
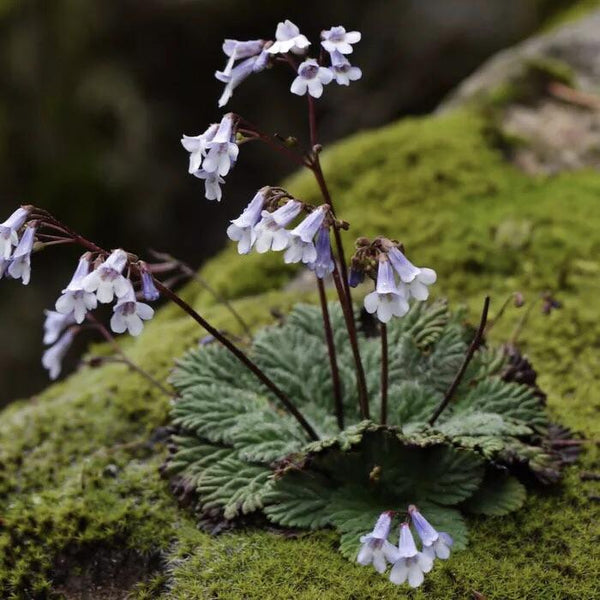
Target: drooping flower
{"points": [[129, 315], [375, 547], [356, 277], [416, 279], [340, 40], [241, 229], [196, 146], [222, 149], [311, 77], [270, 230], [212, 184], [53, 356], [75, 300], [288, 39], [149, 291], [237, 50], [410, 564], [387, 300], [20, 264], [323, 264], [9, 231], [343, 71], [55, 324], [435, 543], [106, 281], [301, 246]]}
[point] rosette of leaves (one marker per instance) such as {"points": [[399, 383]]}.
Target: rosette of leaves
{"points": [[236, 453]]}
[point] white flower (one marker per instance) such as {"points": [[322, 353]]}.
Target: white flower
{"points": [[342, 70], [434, 543], [241, 229], [300, 244], [375, 547], [222, 149], [212, 184], [311, 78], [106, 281], [416, 279], [387, 300], [9, 232], [237, 50], [196, 146], [288, 38], [75, 300], [53, 357], [340, 40], [55, 324], [129, 315], [232, 79], [410, 563], [20, 263], [270, 230]]}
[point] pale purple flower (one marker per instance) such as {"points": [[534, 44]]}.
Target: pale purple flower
{"points": [[340, 40], [410, 564], [237, 50], [323, 264], [55, 324], [75, 300], [9, 232], [375, 547], [129, 315], [149, 291], [222, 149], [53, 356], [241, 229], [300, 243], [212, 184], [311, 77], [387, 300], [435, 543], [416, 279], [288, 39], [20, 263], [106, 281], [196, 146], [239, 73], [342, 70], [270, 230]]}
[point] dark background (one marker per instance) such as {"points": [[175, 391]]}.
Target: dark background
{"points": [[95, 94]]}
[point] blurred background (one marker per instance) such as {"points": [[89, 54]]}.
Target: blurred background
{"points": [[95, 94]]}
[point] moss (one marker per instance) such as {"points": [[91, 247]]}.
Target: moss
{"points": [[79, 467]]}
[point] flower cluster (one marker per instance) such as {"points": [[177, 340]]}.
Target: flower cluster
{"points": [[16, 245], [408, 563]]}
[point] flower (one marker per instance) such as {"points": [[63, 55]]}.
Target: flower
{"points": [[270, 232], [8, 232], [222, 149], [387, 300], [20, 264], [288, 38], [149, 291], [53, 356], [129, 315], [237, 50], [212, 184], [311, 77], [342, 70], [196, 146], [417, 279], [75, 300], [323, 264], [410, 563], [434, 543], [106, 281], [375, 547], [55, 324], [340, 40], [356, 277], [300, 242], [241, 229]]}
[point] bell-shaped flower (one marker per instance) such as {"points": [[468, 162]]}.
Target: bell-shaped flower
{"points": [[20, 264], [106, 281], [237, 50], [196, 146], [222, 149], [387, 300], [129, 315], [239, 73], [301, 246], [212, 184], [356, 277], [53, 356], [410, 564], [55, 324], [270, 230], [288, 39], [149, 291], [311, 77], [417, 279], [340, 40], [75, 300], [343, 71], [241, 229], [435, 543], [375, 547], [323, 264], [9, 232]]}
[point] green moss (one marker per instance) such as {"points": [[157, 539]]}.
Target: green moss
{"points": [[76, 468]]}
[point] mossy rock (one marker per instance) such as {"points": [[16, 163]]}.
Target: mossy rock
{"points": [[79, 475]]}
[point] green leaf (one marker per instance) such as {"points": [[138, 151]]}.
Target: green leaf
{"points": [[498, 495], [482, 424]]}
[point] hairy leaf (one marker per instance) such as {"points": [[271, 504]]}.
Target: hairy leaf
{"points": [[498, 495]]}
